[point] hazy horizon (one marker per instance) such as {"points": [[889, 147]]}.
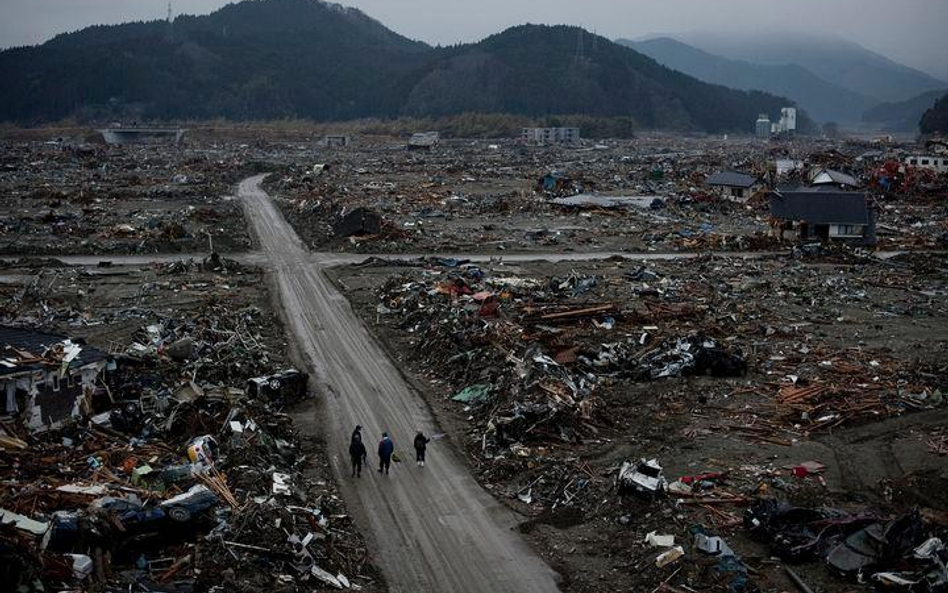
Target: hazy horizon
{"points": [[912, 35]]}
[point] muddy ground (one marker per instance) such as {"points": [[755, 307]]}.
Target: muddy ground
{"points": [[808, 320]]}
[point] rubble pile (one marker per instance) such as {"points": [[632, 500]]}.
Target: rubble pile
{"points": [[608, 399], [647, 194], [77, 198], [531, 352], [768, 417], [901, 551], [180, 468], [469, 194], [526, 349]]}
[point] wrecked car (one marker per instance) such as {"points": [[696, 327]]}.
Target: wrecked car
{"points": [[644, 478]]}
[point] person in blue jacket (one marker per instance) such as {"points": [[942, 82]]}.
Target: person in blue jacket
{"points": [[386, 448]]}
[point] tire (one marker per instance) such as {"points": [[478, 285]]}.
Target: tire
{"points": [[179, 514]]}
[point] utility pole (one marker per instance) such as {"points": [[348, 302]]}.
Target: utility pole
{"points": [[170, 23]]}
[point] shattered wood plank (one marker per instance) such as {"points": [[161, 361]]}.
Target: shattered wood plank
{"points": [[739, 501], [574, 314]]}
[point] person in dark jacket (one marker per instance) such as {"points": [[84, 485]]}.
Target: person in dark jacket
{"points": [[357, 454], [357, 433], [421, 445], [386, 448]]}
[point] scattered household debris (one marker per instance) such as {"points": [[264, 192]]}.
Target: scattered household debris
{"points": [[176, 466], [739, 374]]}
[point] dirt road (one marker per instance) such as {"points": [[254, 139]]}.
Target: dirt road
{"points": [[434, 528]]}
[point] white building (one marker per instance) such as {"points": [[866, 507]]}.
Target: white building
{"points": [[787, 122], [788, 119], [546, 136], [926, 161]]}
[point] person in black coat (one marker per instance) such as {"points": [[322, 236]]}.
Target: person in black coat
{"points": [[421, 446], [357, 454]]}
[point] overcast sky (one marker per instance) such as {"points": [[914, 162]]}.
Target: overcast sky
{"points": [[914, 32]]}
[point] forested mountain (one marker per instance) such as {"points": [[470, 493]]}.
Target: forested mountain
{"points": [[537, 69], [256, 59], [935, 120], [903, 115], [267, 59], [834, 59], [823, 100]]}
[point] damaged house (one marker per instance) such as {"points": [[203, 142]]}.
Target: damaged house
{"points": [[831, 178], [46, 378], [424, 140], [824, 215], [734, 185]]}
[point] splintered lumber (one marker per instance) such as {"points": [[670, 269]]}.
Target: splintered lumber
{"points": [[736, 500], [216, 482], [792, 395], [573, 314], [8, 442]]}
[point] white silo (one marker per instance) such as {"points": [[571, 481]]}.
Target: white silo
{"points": [[763, 126]]}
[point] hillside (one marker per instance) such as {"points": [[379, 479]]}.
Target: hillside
{"points": [[263, 59], [840, 61], [538, 70], [823, 100], [305, 58], [935, 120], [903, 116]]}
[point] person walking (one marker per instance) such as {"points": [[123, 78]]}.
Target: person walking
{"points": [[357, 433], [357, 454], [421, 446], [386, 448]]}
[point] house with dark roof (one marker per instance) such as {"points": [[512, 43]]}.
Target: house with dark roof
{"points": [[734, 185], [826, 215], [46, 379]]}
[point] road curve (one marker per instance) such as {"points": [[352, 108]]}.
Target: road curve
{"points": [[433, 528]]}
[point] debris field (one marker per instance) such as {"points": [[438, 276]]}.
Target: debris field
{"points": [[180, 468], [678, 393], [814, 382]]}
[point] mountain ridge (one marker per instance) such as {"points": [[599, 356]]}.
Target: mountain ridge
{"points": [[823, 100], [841, 61], [601, 79], [270, 59], [903, 116], [935, 119]]}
